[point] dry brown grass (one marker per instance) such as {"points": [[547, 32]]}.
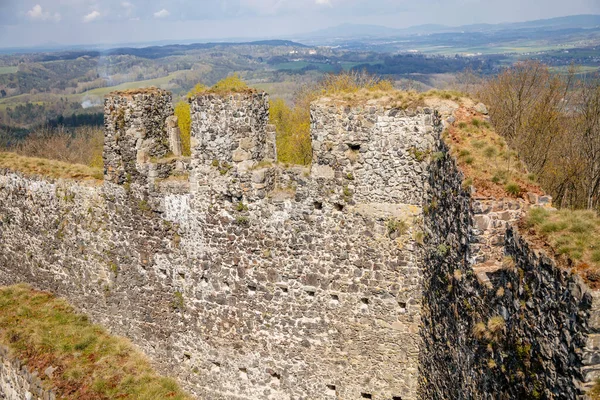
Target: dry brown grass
{"points": [[594, 394], [58, 153], [485, 158], [359, 88], [133, 92], [49, 168], [90, 364], [81, 146]]}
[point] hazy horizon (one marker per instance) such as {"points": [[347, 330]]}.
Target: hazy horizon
{"points": [[89, 22]]}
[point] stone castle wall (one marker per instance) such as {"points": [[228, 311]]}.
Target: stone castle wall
{"points": [[263, 282], [246, 280], [501, 320], [17, 382], [135, 133]]}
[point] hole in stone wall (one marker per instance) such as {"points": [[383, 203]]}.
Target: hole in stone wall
{"points": [[251, 289], [339, 207], [366, 395], [331, 390], [354, 146], [182, 275], [275, 377], [335, 298], [187, 356], [396, 398], [402, 306], [244, 373], [311, 293], [365, 301], [204, 281], [284, 289], [228, 197], [318, 205], [216, 367]]}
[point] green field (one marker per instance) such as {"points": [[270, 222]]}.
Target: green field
{"points": [[8, 70], [579, 70], [99, 92], [298, 65], [158, 82]]}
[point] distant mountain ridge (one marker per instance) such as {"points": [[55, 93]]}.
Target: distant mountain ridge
{"points": [[358, 30], [151, 51]]}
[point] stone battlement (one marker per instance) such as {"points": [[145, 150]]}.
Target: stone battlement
{"points": [[246, 280]]}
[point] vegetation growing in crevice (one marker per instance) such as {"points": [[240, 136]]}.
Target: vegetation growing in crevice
{"points": [[43, 331]]}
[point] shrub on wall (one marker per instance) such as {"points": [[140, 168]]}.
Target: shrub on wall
{"points": [[293, 133], [184, 120]]}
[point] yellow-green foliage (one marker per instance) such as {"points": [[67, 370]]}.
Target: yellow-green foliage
{"points": [[231, 84], [576, 234], [196, 90], [44, 331], [184, 120], [293, 124], [293, 133]]}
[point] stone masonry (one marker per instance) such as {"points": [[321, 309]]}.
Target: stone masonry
{"points": [[17, 382], [246, 280]]}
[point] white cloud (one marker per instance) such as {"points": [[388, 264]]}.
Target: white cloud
{"points": [[162, 13], [323, 2], [94, 15], [37, 13], [126, 4]]}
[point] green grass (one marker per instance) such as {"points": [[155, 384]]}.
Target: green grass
{"points": [[8, 70], [43, 331], [572, 233], [41, 98], [158, 82]]}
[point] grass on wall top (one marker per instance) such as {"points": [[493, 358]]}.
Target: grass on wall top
{"points": [[489, 165], [44, 331], [50, 168], [230, 85], [573, 235]]}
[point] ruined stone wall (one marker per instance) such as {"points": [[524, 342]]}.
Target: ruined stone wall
{"points": [[253, 281], [135, 133], [391, 145], [249, 281], [231, 128], [18, 383], [501, 320]]}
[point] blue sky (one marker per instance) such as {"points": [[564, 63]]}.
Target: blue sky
{"points": [[35, 22]]}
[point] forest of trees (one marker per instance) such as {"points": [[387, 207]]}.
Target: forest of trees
{"points": [[552, 121]]}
